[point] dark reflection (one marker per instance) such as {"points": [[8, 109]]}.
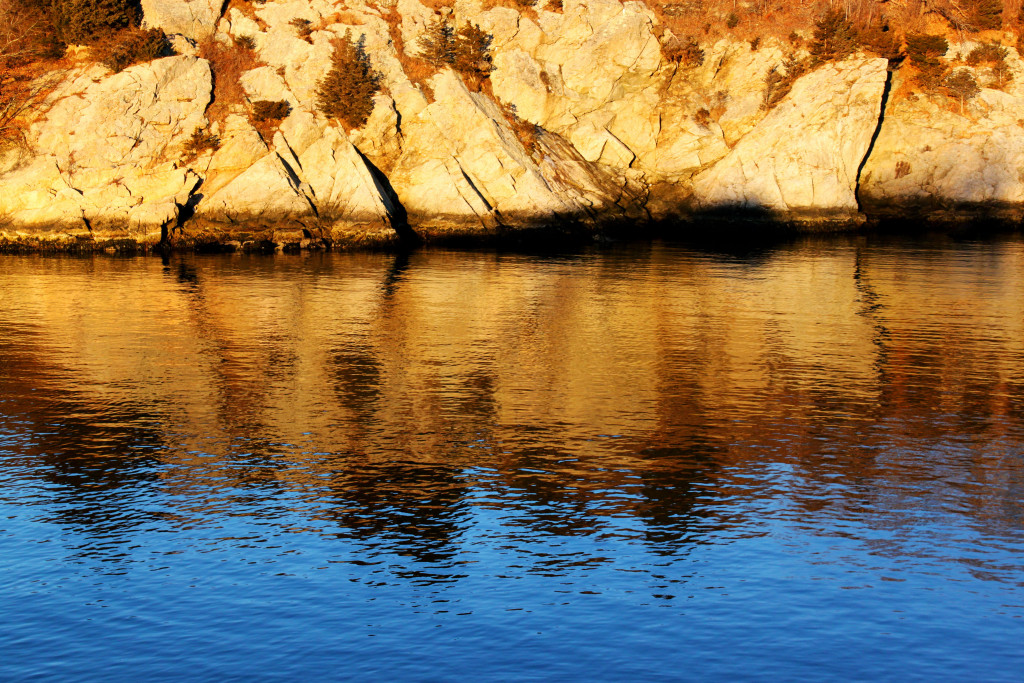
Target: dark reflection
{"points": [[356, 374], [96, 460], [677, 498], [394, 274], [408, 509]]}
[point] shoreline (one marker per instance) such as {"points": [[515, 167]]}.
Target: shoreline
{"points": [[739, 228]]}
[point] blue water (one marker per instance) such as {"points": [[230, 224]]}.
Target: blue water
{"points": [[642, 462]]}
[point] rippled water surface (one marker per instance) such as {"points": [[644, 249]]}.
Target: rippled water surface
{"points": [[643, 462]]}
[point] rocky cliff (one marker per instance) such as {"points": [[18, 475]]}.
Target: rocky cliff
{"points": [[583, 121]]}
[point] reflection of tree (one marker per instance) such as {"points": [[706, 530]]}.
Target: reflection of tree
{"points": [[369, 401], [101, 456], [403, 508], [235, 362], [677, 503]]}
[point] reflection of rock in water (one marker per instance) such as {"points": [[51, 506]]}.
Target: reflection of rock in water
{"points": [[654, 393], [78, 447]]}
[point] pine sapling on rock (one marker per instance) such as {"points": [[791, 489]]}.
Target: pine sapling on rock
{"points": [[962, 85], [346, 93]]}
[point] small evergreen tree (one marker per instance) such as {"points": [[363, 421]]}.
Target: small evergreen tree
{"points": [[437, 45], [346, 92], [467, 50], [986, 15], [962, 85], [473, 51], [835, 38], [925, 52]]}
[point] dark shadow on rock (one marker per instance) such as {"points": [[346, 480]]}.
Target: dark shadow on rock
{"points": [[743, 231], [400, 218], [958, 219]]}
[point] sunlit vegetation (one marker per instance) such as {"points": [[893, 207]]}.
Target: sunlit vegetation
{"points": [[913, 34], [346, 93], [227, 63], [267, 115], [201, 142], [924, 52], [270, 110], [466, 49], [962, 85], [132, 46], [684, 51]]}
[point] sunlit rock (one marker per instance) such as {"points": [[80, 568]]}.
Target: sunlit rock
{"points": [[928, 153], [804, 156], [196, 19]]}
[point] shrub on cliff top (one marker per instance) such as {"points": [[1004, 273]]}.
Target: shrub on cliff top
{"points": [[925, 52], [82, 22], [346, 92], [133, 46]]}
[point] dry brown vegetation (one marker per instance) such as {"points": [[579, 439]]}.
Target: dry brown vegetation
{"points": [[202, 141], [911, 32], [266, 116], [416, 69], [467, 50], [227, 63], [30, 58], [780, 18], [132, 46]]}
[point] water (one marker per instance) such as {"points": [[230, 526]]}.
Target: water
{"points": [[642, 462]]}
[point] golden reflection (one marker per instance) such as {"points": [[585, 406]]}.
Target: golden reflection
{"points": [[382, 394]]}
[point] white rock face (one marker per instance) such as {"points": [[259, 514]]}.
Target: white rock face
{"points": [[929, 153], [463, 162], [263, 190], [109, 145], [804, 156], [335, 177], [195, 19]]}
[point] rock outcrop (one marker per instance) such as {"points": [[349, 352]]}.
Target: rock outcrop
{"points": [[194, 19], [931, 155], [582, 121], [106, 152], [804, 157]]}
